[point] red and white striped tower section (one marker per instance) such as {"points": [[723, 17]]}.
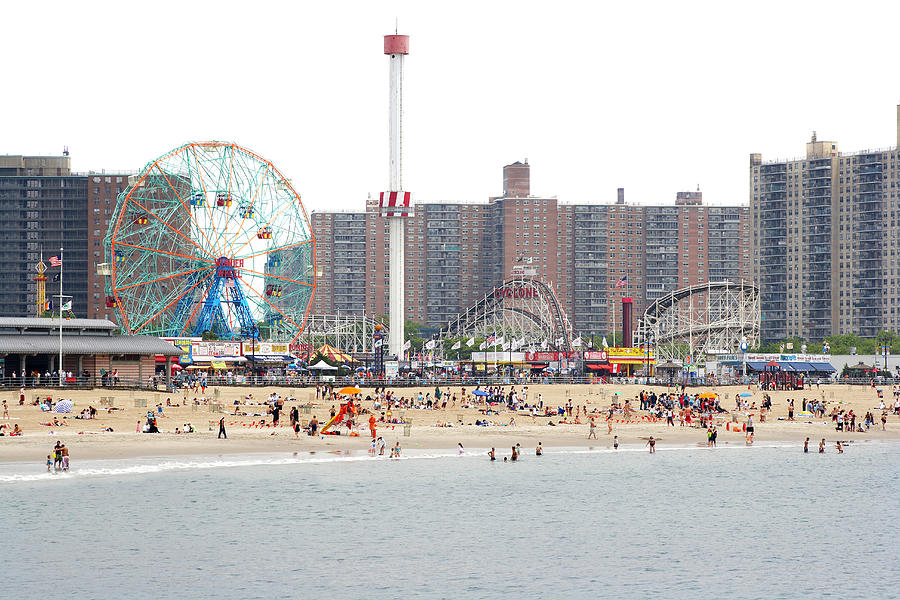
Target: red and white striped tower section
{"points": [[396, 204]]}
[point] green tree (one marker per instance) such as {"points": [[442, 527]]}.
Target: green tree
{"points": [[414, 333]]}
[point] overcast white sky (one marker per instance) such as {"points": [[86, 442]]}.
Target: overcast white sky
{"points": [[653, 97]]}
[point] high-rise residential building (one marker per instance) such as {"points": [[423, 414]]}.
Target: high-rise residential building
{"points": [[43, 207], [103, 190], [457, 251], [825, 249]]}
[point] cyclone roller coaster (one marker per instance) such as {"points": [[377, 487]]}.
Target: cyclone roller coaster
{"points": [[702, 320]]}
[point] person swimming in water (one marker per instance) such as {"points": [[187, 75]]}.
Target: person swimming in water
{"points": [[652, 443], [492, 455], [539, 450]]}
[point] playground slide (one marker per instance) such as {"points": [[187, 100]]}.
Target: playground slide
{"points": [[337, 419]]}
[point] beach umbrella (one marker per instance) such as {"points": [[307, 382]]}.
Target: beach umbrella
{"points": [[176, 367], [64, 406], [349, 390], [617, 393], [745, 394], [479, 393], [708, 395]]}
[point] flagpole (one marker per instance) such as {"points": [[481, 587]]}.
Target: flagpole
{"points": [[60, 316]]}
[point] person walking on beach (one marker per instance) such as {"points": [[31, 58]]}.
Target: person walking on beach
{"points": [[222, 429], [883, 420], [652, 443], [593, 432], [381, 445], [806, 446], [5, 410]]}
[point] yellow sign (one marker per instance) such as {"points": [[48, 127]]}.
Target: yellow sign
{"points": [[266, 348], [218, 365], [628, 353]]}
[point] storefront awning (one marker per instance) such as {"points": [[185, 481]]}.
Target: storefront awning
{"points": [[822, 367], [225, 361], [270, 358], [598, 367]]}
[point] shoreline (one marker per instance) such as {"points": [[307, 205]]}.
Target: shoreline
{"points": [[27, 472]]}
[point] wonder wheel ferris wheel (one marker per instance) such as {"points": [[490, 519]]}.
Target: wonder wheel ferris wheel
{"points": [[211, 237]]}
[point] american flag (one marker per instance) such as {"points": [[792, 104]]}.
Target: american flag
{"points": [[622, 282], [55, 261], [489, 340]]}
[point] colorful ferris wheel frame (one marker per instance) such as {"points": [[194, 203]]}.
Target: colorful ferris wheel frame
{"points": [[211, 238]]}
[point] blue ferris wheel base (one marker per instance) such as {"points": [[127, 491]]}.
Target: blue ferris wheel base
{"points": [[226, 289]]}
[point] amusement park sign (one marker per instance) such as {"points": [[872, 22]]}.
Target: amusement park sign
{"points": [[515, 292], [552, 356]]}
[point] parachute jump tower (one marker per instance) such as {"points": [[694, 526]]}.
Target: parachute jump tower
{"points": [[395, 204]]}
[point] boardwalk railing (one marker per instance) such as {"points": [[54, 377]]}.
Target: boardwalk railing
{"points": [[158, 383]]}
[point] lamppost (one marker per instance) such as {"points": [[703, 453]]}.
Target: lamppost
{"points": [[253, 357], [647, 362]]}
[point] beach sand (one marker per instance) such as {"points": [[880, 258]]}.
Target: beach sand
{"points": [[87, 440]]}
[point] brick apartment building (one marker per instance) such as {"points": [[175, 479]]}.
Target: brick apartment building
{"points": [[457, 251]]}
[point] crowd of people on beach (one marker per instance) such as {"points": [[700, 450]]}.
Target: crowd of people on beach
{"points": [[497, 406]]}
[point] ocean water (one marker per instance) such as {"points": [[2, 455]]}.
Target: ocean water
{"points": [[688, 522]]}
